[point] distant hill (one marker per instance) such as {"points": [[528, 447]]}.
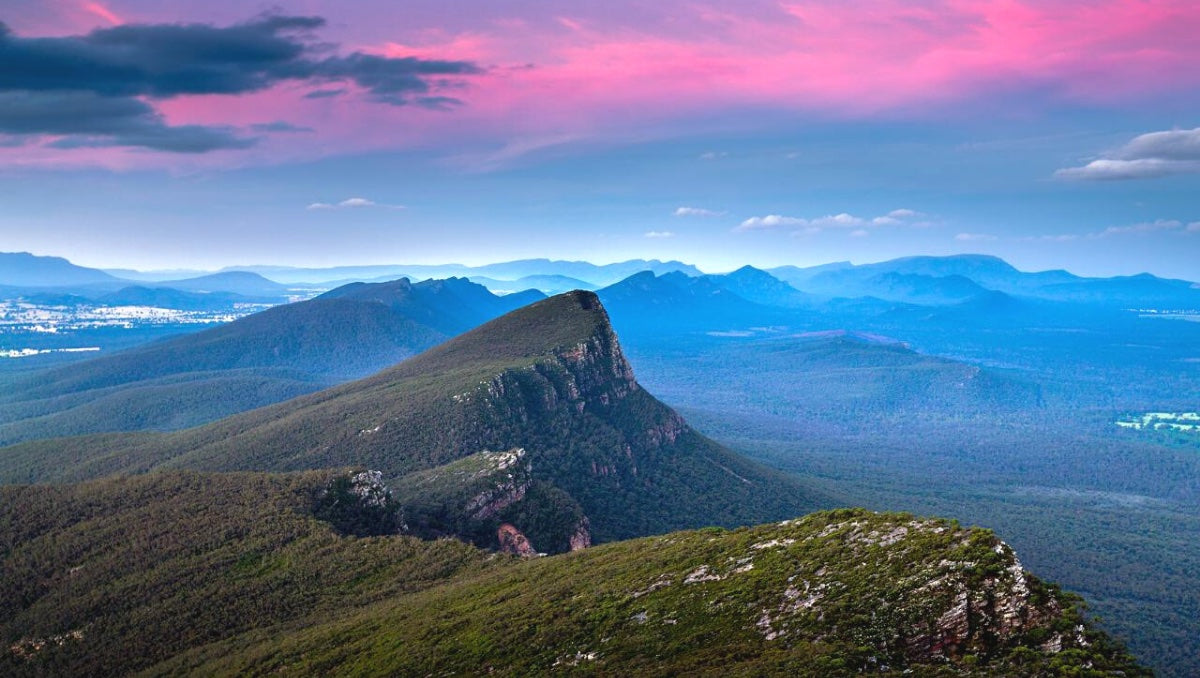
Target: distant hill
{"points": [[254, 361], [237, 282], [910, 288], [955, 279], [1143, 291], [596, 275], [166, 297], [250, 574], [649, 303], [547, 284], [21, 269], [548, 378], [760, 287], [450, 306]]}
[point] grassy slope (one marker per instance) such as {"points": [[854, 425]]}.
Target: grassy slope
{"points": [[180, 572], [148, 566], [826, 595]]}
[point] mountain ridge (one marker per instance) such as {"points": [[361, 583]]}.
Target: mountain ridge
{"points": [[549, 378]]}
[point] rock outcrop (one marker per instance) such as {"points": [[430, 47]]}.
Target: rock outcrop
{"points": [[513, 541]]}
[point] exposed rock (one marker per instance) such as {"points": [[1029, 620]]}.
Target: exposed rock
{"points": [[513, 541], [27, 648], [582, 537], [369, 488], [510, 487]]}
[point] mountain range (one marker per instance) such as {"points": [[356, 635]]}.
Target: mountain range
{"points": [[310, 537], [548, 378], [257, 360], [528, 434]]}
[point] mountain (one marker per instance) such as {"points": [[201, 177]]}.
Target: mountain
{"points": [[253, 574], [377, 273], [22, 269], [256, 360], [166, 297], [648, 303], [760, 287], [237, 282], [907, 286], [154, 276], [450, 306], [797, 276], [549, 379], [955, 279], [548, 284], [595, 274], [1142, 291]]}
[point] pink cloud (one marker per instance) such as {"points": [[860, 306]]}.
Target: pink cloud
{"points": [[631, 69], [103, 12]]}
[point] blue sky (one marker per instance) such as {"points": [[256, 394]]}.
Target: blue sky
{"points": [[608, 135]]}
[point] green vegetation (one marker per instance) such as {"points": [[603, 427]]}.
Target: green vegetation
{"points": [[131, 571], [208, 574]]}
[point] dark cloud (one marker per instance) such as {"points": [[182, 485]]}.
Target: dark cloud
{"points": [[95, 85], [279, 126], [1147, 156], [325, 93], [85, 119]]}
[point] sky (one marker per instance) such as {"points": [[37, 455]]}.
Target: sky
{"points": [[161, 134]]}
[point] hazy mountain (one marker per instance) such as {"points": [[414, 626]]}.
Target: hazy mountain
{"points": [[237, 282], [797, 276], [596, 275], [21, 269], [167, 297], [257, 360], [548, 378], [954, 279], [910, 288], [649, 303], [156, 275], [342, 274], [548, 284], [248, 574], [1143, 291], [760, 287], [450, 306]]}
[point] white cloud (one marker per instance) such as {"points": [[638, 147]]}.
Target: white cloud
{"points": [[659, 234], [975, 237], [770, 221], [696, 212], [842, 220], [897, 217], [1146, 227], [1156, 154], [1066, 237], [860, 233], [351, 203], [713, 155]]}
